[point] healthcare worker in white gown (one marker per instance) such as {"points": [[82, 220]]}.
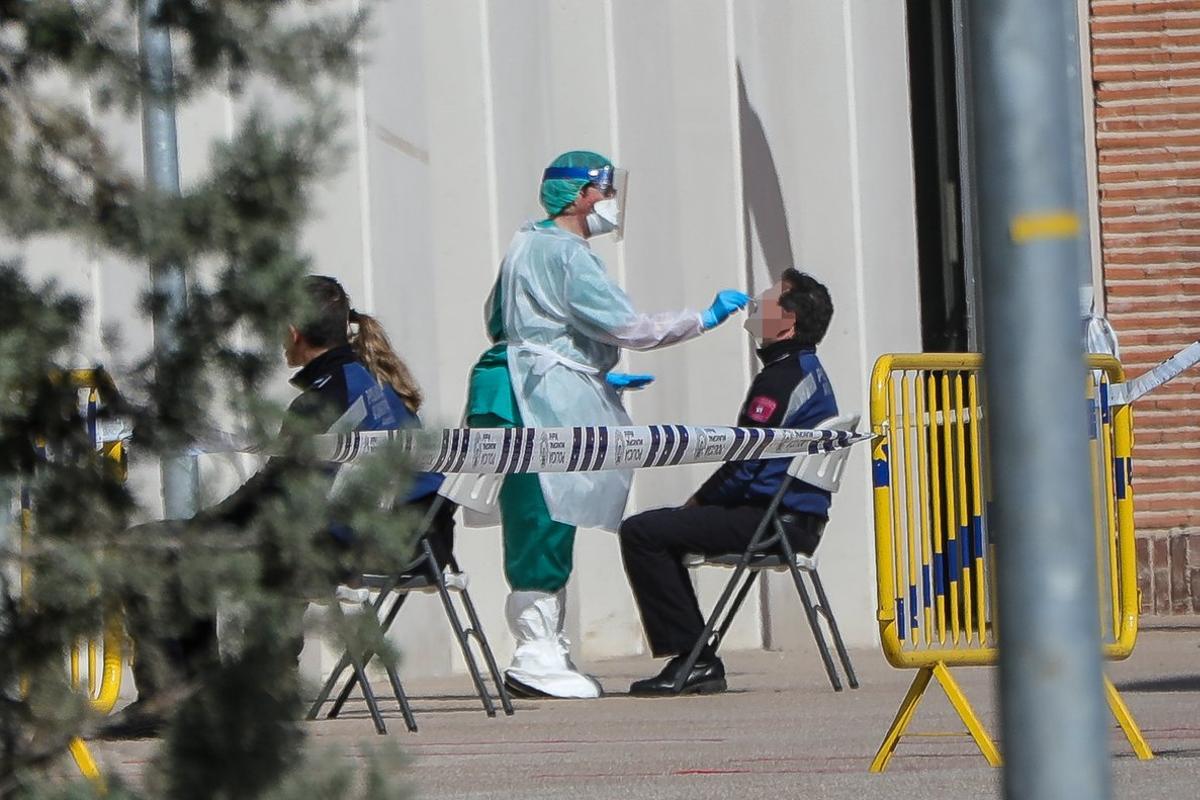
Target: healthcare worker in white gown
{"points": [[558, 323]]}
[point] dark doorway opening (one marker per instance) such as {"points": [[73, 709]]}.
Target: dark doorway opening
{"points": [[945, 322]]}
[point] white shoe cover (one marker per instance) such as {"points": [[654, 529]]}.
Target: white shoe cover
{"points": [[542, 660]]}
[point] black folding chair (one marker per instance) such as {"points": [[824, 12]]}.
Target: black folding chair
{"points": [[774, 551], [422, 575]]}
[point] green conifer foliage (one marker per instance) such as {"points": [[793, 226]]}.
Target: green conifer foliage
{"points": [[235, 233]]}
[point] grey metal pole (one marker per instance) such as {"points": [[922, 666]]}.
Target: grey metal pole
{"points": [[160, 149], [1032, 193]]}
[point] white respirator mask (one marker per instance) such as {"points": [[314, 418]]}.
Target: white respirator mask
{"points": [[605, 217]]}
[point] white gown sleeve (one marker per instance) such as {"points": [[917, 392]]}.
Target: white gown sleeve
{"points": [[602, 311]]}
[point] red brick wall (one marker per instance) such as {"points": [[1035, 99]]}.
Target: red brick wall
{"points": [[1146, 69]]}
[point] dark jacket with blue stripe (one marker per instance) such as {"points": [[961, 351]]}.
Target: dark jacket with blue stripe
{"points": [[338, 394], [791, 391]]}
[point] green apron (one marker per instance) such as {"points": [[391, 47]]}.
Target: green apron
{"points": [[537, 550]]}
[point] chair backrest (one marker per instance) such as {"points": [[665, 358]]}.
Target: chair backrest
{"points": [[824, 470]]}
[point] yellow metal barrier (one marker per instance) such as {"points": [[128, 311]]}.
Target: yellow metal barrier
{"points": [[104, 656], [934, 553]]}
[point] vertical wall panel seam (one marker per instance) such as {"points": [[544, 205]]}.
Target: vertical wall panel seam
{"points": [[614, 123], [856, 214], [739, 237], [614, 143], [855, 179], [95, 265], [1083, 16], [489, 133], [361, 133], [735, 118]]}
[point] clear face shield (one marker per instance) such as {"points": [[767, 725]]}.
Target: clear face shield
{"points": [[607, 215]]}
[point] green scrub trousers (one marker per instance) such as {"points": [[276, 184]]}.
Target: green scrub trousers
{"points": [[537, 550]]}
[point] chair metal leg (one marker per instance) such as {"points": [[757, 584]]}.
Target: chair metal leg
{"points": [[344, 695], [827, 612], [459, 634], [814, 620], [410, 721], [328, 687], [710, 626], [723, 628], [810, 613], [358, 674], [814, 623], [368, 695], [742, 566], [476, 631]]}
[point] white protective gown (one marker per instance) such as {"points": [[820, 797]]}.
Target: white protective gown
{"points": [[565, 322]]}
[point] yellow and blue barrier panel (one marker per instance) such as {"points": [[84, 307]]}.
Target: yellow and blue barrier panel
{"points": [[933, 546], [96, 664]]}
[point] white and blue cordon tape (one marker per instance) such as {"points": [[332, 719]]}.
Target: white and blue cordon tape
{"points": [[489, 451], [1124, 393]]}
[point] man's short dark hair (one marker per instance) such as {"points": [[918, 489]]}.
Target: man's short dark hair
{"points": [[809, 300]]}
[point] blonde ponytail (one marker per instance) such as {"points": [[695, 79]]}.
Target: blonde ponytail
{"points": [[373, 348]]}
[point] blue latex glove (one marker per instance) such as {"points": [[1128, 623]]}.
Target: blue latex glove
{"points": [[726, 302], [622, 381]]}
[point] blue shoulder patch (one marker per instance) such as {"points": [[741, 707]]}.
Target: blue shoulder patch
{"points": [[385, 410]]}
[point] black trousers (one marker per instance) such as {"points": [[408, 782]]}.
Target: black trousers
{"points": [[174, 644], [654, 543]]}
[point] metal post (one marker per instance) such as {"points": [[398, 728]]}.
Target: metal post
{"points": [[180, 474], [9, 572], [1031, 195]]}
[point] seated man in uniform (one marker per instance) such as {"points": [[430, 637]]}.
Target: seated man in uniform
{"points": [[791, 391]]}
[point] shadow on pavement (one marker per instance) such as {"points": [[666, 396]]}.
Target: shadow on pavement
{"points": [[1177, 683]]}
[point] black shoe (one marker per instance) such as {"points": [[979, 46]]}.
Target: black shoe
{"points": [[707, 677], [135, 721]]}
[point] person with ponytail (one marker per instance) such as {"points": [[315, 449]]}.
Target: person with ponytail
{"points": [[374, 350], [349, 379]]}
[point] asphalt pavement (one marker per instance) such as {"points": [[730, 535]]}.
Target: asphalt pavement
{"points": [[780, 731]]}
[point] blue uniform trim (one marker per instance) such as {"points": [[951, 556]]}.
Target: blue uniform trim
{"points": [[385, 411]]}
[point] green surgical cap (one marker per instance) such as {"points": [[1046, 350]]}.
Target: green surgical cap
{"points": [[558, 193]]}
